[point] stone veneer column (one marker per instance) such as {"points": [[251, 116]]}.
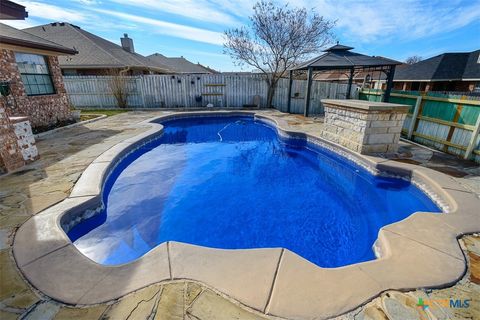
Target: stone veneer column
{"points": [[25, 138], [11, 157], [364, 126]]}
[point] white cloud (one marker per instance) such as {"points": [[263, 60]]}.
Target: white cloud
{"points": [[50, 12], [170, 29], [207, 54], [39, 10], [241, 9], [369, 21], [360, 20], [363, 22], [194, 9], [21, 24], [88, 2]]}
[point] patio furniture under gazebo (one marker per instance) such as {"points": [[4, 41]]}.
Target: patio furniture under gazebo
{"points": [[340, 58]]}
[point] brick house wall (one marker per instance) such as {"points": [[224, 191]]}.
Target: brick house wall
{"points": [[42, 110]]}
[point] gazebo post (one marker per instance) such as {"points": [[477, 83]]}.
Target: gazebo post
{"points": [[388, 89], [290, 83], [307, 93], [350, 81]]}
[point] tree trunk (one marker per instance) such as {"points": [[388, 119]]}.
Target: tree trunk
{"points": [[270, 93]]}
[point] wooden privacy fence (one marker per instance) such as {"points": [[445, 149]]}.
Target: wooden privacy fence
{"points": [[447, 122], [196, 91]]}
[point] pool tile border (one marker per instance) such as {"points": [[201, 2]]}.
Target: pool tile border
{"points": [[412, 253]]}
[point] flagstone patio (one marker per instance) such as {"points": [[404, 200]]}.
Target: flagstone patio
{"points": [[66, 154]]}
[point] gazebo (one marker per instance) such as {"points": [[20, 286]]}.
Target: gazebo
{"points": [[340, 58]]}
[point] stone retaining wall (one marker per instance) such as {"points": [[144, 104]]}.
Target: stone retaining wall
{"points": [[363, 126]]}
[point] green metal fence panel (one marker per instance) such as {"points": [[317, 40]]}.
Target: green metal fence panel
{"points": [[469, 115], [439, 110], [370, 97], [402, 100]]}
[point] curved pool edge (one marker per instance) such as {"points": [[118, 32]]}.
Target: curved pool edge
{"points": [[420, 251]]}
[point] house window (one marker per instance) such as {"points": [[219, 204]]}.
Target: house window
{"points": [[35, 74]]}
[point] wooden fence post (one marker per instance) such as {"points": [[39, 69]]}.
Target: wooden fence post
{"points": [[416, 111], [184, 88], [140, 86], [451, 131], [473, 139], [97, 93]]}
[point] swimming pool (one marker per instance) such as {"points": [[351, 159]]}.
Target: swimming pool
{"points": [[233, 183]]}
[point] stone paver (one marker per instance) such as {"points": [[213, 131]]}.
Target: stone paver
{"points": [[66, 154], [68, 313]]}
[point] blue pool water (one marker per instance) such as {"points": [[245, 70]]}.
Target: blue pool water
{"points": [[231, 182]]}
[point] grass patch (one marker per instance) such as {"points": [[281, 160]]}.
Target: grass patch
{"points": [[107, 112], [85, 117]]}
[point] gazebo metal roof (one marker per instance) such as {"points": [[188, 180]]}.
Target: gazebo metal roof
{"points": [[340, 57]]}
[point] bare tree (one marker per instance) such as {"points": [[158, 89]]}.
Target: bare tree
{"points": [[278, 38], [119, 88], [413, 59]]}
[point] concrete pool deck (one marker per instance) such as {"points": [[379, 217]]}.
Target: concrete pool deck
{"points": [[64, 158]]}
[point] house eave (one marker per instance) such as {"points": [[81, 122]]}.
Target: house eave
{"points": [[12, 11], [19, 43], [425, 80]]}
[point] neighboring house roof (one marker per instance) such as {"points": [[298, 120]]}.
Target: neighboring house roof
{"points": [[18, 38], [340, 57], [178, 65], [444, 67], [93, 51], [472, 68]]}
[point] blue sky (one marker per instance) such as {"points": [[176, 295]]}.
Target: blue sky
{"points": [[193, 28]]}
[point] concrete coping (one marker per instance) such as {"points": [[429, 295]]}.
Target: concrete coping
{"points": [[420, 251], [366, 105]]}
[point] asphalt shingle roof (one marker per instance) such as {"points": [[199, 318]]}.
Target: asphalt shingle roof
{"points": [[10, 35], [472, 68], [178, 65], [446, 66], [93, 51]]}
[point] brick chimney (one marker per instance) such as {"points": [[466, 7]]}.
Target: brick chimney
{"points": [[127, 43]]}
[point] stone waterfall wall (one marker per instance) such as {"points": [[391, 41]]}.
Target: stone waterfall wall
{"points": [[363, 126]]}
